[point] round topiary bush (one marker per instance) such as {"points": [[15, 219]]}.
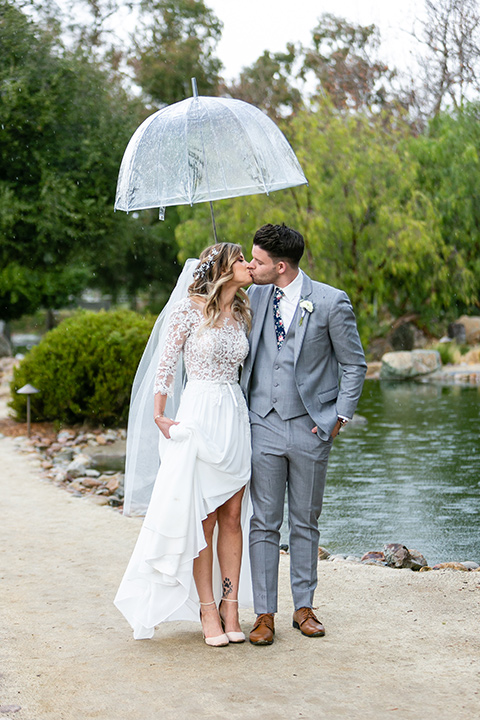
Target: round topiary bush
{"points": [[84, 368]]}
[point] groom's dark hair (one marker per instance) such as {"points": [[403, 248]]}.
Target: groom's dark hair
{"points": [[280, 242]]}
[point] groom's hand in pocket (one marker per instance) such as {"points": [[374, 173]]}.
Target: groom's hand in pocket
{"points": [[335, 430]]}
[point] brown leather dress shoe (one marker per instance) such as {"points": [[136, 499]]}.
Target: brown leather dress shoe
{"points": [[263, 630], [304, 620]]}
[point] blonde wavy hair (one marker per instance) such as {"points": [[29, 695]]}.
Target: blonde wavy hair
{"points": [[215, 268]]}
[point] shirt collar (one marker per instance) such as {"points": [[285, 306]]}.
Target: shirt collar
{"points": [[294, 289]]}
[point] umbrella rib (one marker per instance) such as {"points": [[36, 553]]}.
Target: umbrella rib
{"points": [[187, 118], [129, 168], [205, 165], [159, 179], [217, 145], [131, 160]]}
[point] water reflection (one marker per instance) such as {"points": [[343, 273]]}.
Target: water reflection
{"points": [[411, 474]]}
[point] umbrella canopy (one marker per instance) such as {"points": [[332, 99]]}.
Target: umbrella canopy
{"points": [[204, 149]]}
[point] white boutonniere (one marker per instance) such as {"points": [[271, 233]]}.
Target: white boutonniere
{"points": [[306, 306]]}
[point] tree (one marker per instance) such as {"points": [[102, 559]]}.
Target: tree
{"points": [[341, 61], [140, 261], [369, 229], [450, 59], [269, 84], [92, 31], [174, 42], [448, 156], [26, 162], [64, 129]]}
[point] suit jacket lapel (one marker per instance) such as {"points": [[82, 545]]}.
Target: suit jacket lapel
{"points": [[302, 329], [258, 321]]}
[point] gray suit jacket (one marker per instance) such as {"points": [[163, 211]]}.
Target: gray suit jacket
{"points": [[327, 346]]}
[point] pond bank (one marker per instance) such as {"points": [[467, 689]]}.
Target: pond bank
{"points": [[359, 475], [90, 464], [464, 375]]}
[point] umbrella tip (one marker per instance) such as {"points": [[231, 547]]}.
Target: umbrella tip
{"points": [[194, 87]]}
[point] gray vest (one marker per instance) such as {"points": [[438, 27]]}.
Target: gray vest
{"points": [[273, 377]]}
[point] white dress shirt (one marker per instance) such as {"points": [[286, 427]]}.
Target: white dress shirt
{"points": [[288, 303]]}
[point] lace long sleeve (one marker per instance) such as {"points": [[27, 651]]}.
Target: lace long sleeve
{"points": [[179, 328]]}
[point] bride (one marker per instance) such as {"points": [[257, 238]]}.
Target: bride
{"points": [[189, 551]]}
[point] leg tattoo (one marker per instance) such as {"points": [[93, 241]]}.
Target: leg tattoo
{"points": [[227, 587]]}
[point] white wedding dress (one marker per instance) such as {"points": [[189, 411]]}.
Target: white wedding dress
{"points": [[206, 461]]}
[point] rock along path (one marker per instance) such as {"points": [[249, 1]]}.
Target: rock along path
{"points": [[399, 644]]}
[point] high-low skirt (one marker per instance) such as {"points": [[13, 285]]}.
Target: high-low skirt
{"points": [[206, 461]]}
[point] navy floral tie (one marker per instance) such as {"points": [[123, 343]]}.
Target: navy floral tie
{"points": [[277, 318]]}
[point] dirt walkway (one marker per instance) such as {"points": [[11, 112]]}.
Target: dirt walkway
{"points": [[399, 644]]}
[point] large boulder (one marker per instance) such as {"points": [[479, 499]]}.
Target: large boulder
{"points": [[403, 365]]}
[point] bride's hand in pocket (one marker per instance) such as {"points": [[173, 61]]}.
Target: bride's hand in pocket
{"points": [[164, 424]]}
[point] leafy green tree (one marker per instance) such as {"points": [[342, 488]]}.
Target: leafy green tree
{"points": [[368, 227], [174, 42], [448, 154], [342, 60], [269, 84], [32, 197], [141, 263], [64, 129]]}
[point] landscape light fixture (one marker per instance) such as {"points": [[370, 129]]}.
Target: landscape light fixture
{"points": [[28, 390]]}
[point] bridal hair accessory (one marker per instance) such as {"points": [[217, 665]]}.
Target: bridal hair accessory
{"points": [[306, 306], [206, 264]]}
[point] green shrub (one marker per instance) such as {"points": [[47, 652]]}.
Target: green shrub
{"points": [[84, 368], [448, 352]]}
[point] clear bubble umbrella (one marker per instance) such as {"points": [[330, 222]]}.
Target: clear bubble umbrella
{"points": [[204, 149]]}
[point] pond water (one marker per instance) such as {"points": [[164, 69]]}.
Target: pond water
{"points": [[409, 474]]}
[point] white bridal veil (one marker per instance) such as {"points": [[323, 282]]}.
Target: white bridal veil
{"points": [[143, 460]]}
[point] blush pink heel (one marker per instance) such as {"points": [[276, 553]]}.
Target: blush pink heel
{"points": [[234, 637], [218, 640]]}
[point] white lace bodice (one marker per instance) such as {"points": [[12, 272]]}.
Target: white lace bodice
{"points": [[212, 354]]}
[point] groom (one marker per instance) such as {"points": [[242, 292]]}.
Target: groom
{"points": [[304, 333]]}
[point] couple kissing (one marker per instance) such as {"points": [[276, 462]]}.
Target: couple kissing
{"points": [[235, 405]]}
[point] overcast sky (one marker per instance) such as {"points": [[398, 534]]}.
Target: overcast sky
{"points": [[252, 26]]}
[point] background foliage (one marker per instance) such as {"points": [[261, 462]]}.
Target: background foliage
{"points": [[391, 213], [84, 368], [371, 222], [65, 125]]}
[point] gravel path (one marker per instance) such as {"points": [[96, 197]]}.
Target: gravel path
{"points": [[399, 644]]}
